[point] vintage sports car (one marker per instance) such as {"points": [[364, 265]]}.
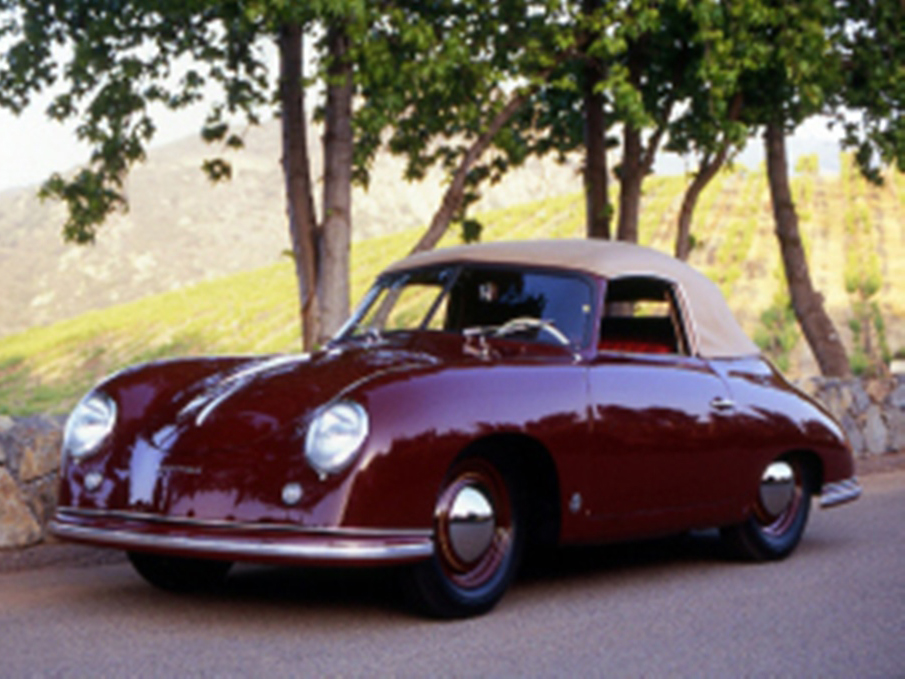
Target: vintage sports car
{"points": [[480, 400]]}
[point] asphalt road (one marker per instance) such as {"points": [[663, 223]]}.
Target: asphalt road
{"points": [[674, 608]]}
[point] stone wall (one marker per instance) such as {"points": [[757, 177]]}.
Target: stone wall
{"points": [[871, 412], [29, 466]]}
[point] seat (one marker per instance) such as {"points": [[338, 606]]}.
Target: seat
{"points": [[645, 335]]}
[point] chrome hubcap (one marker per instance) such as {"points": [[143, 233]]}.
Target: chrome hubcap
{"points": [[471, 524], [777, 488]]}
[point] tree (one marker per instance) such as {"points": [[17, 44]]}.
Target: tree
{"points": [[116, 61], [788, 83], [580, 68], [631, 66], [816, 324], [710, 126], [779, 64], [870, 40], [442, 88]]}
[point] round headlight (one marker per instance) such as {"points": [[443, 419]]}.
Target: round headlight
{"points": [[335, 435], [88, 425]]}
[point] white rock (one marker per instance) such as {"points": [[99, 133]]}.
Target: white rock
{"points": [[876, 436]]}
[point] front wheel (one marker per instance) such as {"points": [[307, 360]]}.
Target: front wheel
{"points": [[780, 513], [478, 543], [179, 574]]}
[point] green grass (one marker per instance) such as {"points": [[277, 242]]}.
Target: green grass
{"points": [[47, 369]]}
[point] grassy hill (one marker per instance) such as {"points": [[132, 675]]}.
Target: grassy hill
{"points": [[852, 231], [180, 229]]}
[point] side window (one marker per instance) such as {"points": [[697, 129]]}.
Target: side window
{"points": [[485, 297], [411, 304], [412, 301], [641, 316]]}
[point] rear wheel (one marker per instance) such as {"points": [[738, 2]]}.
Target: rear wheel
{"points": [[778, 520], [478, 544], [179, 574]]}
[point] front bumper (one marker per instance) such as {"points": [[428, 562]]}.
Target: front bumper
{"points": [[256, 542], [839, 492]]}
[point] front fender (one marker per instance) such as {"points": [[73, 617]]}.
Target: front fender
{"points": [[422, 422]]}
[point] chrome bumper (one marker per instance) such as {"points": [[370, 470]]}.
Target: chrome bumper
{"points": [[839, 492], [241, 541]]}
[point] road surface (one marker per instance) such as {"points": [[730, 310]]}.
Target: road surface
{"points": [[673, 608]]}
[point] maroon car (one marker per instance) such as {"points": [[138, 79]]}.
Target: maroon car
{"points": [[480, 399]]}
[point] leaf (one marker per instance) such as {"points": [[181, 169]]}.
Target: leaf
{"points": [[217, 170]]}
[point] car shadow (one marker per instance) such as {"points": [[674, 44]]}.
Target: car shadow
{"points": [[383, 589], [702, 547], [342, 588]]}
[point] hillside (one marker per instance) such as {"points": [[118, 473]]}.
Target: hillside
{"points": [[850, 229], [181, 229]]}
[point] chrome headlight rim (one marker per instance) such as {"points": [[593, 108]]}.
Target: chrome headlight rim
{"points": [[89, 425], [335, 435]]}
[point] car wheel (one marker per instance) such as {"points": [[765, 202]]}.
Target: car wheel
{"points": [[779, 516], [478, 542], [179, 574]]}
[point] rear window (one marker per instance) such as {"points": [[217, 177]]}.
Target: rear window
{"points": [[641, 316]]}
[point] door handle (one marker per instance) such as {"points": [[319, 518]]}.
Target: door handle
{"points": [[720, 403]]}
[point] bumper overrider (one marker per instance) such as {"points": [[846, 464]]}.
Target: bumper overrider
{"points": [[233, 541], [839, 492]]}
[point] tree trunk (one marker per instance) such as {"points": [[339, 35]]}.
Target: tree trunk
{"points": [[596, 181], [631, 175], [595, 168], [336, 232], [452, 198], [707, 171], [636, 165], [299, 201], [806, 301]]}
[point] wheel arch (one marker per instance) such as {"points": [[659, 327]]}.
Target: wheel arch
{"points": [[532, 467], [812, 462]]}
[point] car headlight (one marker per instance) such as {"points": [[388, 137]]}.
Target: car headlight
{"points": [[335, 435], [88, 425]]}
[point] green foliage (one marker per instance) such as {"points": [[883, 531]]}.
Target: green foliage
{"points": [[217, 170], [112, 64], [431, 79], [471, 230], [778, 334], [863, 275], [808, 165], [870, 354], [871, 103]]}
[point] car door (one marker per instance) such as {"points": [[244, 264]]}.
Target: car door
{"points": [[662, 440]]}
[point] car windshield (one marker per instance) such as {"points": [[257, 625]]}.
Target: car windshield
{"points": [[536, 305]]}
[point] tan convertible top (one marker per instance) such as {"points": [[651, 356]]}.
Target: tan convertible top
{"points": [[714, 329]]}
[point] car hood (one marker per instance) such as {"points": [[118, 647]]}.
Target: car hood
{"points": [[240, 404]]}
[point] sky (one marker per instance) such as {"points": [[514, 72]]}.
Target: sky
{"points": [[33, 147]]}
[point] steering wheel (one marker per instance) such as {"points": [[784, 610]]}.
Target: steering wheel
{"points": [[522, 323]]}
